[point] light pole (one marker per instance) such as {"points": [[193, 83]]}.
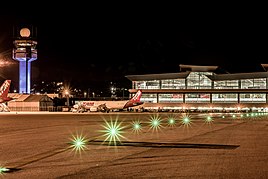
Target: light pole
{"points": [[113, 91], [67, 97]]}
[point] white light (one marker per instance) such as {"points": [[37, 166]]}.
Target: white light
{"points": [[25, 32]]}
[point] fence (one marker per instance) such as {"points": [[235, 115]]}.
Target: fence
{"points": [[46, 108]]}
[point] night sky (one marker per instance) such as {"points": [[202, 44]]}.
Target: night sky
{"points": [[90, 49]]}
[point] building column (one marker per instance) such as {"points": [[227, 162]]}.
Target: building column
{"points": [[266, 88], [210, 97], [238, 97], [183, 97], [266, 83], [157, 98], [23, 76]]}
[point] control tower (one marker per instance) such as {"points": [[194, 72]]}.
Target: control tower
{"points": [[25, 52]]}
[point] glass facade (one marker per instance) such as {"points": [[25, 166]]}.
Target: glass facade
{"points": [[153, 84], [197, 98], [199, 80], [228, 84], [225, 98], [170, 98], [173, 84], [149, 98], [253, 98], [259, 83]]}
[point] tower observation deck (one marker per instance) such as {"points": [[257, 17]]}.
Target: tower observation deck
{"points": [[25, 52]]}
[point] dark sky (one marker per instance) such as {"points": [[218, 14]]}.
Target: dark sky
{"points": [[92, 48]]}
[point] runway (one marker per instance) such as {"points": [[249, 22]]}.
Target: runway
{"points": [[39, 145]]}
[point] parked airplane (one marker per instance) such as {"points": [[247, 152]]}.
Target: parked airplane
{"points": [[3, 95], [106, 106]]}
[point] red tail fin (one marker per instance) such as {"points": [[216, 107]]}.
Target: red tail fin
{"points": [[136, 97], [135, 100], [4, 89]]}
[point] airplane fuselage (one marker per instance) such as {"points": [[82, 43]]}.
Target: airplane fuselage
{"points": [[109, 104], [3, 100]]}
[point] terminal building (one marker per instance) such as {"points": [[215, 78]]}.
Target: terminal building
{"points": [[201, 88]]}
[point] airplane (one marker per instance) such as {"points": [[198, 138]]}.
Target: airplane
{"points": [[106, 106], [3, 95]]}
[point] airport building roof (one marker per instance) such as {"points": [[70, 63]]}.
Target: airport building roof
{"points": [[237, 76], [162, 76], [197, 68], [14, 95], [37, 98], [187, 69], [265, 66], [29, 97], [22, 97]]}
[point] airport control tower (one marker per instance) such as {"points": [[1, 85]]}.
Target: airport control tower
{"points": [[25, 52]]}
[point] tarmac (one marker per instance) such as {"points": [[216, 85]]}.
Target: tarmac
{"points": [[41, 145]]}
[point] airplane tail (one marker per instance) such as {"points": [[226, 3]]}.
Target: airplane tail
{"points": [[136, 98], [4, 89]]}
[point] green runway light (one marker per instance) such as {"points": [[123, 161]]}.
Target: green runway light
{"points": [[155, 123], [78, 143], [3, 170], [186, 121], [208, 120], [171, 121], [113, 132], [223, 116], [136, 126]]}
